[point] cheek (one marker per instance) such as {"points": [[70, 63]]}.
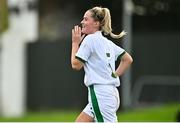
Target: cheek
{"points": [[87, 29]]}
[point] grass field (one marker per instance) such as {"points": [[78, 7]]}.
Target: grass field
{"points": [[166, 113]]}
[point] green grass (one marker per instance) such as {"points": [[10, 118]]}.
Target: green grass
{"points": [[55, 116], [166, 113]]}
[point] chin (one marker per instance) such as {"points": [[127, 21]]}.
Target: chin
{"points": [[84, 32]]}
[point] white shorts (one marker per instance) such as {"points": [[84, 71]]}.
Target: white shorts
{"points": [[103, 103]]}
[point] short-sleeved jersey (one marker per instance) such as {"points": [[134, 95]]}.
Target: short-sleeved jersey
{"points": [[99, 55]]}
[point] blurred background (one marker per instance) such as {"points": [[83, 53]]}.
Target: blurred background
{"points": [[35, 48]]}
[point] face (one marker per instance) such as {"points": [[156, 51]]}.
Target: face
{"points": [[89, 26]]}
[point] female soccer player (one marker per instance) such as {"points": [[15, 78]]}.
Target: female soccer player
{"points": [[97, 55]]}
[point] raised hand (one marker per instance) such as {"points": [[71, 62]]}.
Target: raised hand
{"points": [[76, 35]]}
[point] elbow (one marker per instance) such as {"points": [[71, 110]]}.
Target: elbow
{"points": [[75, 67], [130, 60]]}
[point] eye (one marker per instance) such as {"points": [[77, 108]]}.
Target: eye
{"points": [[85, 19]]}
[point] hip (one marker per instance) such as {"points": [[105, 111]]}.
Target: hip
{"points": [[105, 93]]}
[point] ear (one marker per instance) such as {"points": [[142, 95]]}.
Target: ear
{"points": [[97, 23]]}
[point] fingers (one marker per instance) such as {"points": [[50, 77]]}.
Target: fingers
{"points": [[77, 30], [76, 34], [72, 31]]}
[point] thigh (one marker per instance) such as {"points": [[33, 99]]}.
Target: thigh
{"points": [[86, 115], [105, 102], [83, 117], [108, 109]]}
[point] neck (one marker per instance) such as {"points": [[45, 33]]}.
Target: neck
{"points": [[95, 31]]}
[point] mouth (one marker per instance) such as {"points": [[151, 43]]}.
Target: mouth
{"points": [[80, 25]]}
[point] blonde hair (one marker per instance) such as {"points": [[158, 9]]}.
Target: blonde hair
{"points": [[104, 17]]}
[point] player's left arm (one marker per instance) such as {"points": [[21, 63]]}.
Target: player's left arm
{"points": [[126, 61]]}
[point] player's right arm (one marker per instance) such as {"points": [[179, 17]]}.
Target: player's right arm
{"points": [[76, 40]]}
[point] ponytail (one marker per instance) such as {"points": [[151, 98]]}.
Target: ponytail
{"points": [[104, 17], [123, 33]]}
